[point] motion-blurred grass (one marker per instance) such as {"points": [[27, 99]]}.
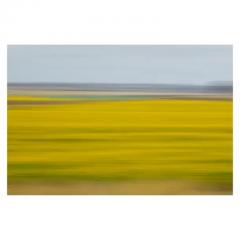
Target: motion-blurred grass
{"points": [[119, 147]]}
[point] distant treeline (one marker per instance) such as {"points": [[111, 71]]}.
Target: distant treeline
{"points": [[209, 88]]}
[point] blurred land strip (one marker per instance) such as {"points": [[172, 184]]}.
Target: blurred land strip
{"points": [[81, 139]]}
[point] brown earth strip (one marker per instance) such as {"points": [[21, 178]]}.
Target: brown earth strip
{"points": [[120, 188]]}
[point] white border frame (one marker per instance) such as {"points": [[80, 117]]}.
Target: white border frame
{"points": [[123, 22]]}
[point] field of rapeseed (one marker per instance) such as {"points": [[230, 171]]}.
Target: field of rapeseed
{"points": [[67, 146]]}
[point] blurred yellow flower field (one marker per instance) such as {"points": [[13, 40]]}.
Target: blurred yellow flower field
{"points": [[119, 147]]}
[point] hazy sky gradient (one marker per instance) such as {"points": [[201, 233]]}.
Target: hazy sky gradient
{"points": [[186, 64]]}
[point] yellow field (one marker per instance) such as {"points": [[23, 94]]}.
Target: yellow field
{"points": [[120, 147]]}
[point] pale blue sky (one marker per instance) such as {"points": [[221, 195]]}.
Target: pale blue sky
{"points": [[177, 64]]}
